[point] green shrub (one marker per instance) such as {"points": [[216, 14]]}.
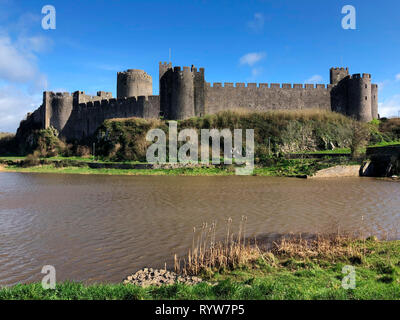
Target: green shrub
{"points": [[125, 139], [8, 144], [276, 132], [44, 142], [359, 137], [390, 128]]}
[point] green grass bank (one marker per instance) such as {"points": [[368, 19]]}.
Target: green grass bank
{"points": [[277, 134], [291, 274], [276, 167]]}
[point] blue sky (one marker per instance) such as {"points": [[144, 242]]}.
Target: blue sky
{"points": [[235, 41]]}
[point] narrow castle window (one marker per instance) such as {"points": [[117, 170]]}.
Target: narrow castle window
{"points": [[366, 86], [366, 98]]}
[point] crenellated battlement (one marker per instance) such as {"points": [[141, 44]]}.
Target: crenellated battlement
{"points": [[135, 74], [200, 71], [133, 83], [184, 93], [119, 101], [81, 97], [339, 69], [165, 64], [184, 69], [252, 85], [53, 94], [366, 76]]}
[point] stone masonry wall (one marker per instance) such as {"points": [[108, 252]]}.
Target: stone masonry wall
{"points": [[184, 93], [87, 117], [266, 97]]}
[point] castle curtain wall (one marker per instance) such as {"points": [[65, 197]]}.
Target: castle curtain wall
{"points": [[264, 97], [87, 117], [184, 93]]}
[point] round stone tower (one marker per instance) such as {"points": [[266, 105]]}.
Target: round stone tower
{"points": [[374, 103], [182, 93], [360, 102], [338, 74], [134, 83]]}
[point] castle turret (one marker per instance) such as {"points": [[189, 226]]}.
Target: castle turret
{"points": [[163, 67], [359, 97], [338, 74], [165, 78], [374, 103], [134, 83], [199, 92], [57, 109], [182, 92]]}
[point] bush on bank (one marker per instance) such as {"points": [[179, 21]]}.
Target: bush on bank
{"points": [[276, 132]]}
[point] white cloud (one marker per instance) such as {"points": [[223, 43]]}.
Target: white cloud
{"points": [[316, 78], [257, 24], [256, 72], [14, 105], [252, 58], [21, 82], [18, 62], [386, 82], [383, 84], [14, 66], [390, 107], [34, 44]]}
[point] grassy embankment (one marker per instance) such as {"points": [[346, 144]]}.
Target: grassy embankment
{"points": [[276, 133], [280, 168], [288, 272]]}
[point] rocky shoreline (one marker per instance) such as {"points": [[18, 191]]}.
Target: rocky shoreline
{"points": [[158, 277]]}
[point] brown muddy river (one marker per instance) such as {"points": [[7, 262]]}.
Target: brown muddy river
{"points": [[102, 228]]}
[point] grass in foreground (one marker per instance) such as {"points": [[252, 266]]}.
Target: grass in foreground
{"points": [[289, 273]]}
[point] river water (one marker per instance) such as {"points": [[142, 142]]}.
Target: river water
{"points": [[95, 228]]}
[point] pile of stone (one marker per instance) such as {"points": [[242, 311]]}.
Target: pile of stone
{"points": [[158, 277]]}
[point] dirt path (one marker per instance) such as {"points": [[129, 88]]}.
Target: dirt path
{"points": [[2, 168]]}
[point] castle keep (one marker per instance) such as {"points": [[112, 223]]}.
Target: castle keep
{"points": [[184, 93]]}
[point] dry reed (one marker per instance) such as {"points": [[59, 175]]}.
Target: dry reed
{"points": [[327, 246], [207, 254]]}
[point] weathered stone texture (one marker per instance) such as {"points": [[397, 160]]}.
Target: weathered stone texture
{"points": [[262, 98], [87, 117], [134, 83], [184, 93]]}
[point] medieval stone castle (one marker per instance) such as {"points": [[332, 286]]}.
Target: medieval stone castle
{"points": [[184, 93]]}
